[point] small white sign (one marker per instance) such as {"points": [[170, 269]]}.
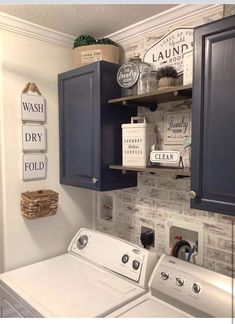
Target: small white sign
{"points": [[34, 167], [33, 108], [176, 127], [165, 156], [170, 48], [33, 138]]}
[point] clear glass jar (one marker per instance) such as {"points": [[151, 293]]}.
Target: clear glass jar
{"points": [[143, 84]]}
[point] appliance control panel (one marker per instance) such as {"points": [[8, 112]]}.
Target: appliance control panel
{"points": [[114, 254], [189, 286]]}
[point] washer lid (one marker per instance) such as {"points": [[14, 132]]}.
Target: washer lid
{"points": [[148, 306], [67, 286]]}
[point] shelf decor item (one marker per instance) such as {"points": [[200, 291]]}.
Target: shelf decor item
{"points": [[167, 76], [41, 203], [137, 139], [88, 50]]}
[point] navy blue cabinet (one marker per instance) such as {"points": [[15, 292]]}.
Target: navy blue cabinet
{"points": [[90, 128], [213, 128]]}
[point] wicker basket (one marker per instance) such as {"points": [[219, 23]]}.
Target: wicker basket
{"points": [[41, 203]]}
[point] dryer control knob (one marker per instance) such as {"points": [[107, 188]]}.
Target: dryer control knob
{"points": [[165, 275], [82, 242], [196, 288], [135, 264], [179, 281], [125, 258]]}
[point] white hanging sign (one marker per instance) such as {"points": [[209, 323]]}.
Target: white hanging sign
{"points": [[33, 108], [33, 138], [34, 167], [165, 156], [169, 50]]}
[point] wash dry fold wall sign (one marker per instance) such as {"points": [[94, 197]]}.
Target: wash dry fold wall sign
{"points": [[169, 50], [33, 108]]}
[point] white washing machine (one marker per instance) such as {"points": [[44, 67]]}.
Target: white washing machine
{"points": [[99, 274], [181, 289]]}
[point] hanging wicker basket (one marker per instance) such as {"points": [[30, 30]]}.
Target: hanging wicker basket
{"points": [[41, 203]]}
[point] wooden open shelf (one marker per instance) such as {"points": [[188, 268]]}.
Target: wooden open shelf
{"points": [[151, 99], [168, 171]]}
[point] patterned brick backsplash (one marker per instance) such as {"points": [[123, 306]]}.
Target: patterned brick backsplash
{"points": [[158, 199]]}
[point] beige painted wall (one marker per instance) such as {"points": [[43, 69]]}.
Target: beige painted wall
{"points": [[26, 241]]}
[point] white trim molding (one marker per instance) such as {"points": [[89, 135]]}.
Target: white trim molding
{"points": [[160, 20], [23, 27], [26, 28]]}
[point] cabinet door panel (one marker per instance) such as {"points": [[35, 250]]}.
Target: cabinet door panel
{"points": [[213, 153], [77, 135]]}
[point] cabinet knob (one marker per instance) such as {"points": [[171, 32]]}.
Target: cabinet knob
{"points": [[94, 180], [192, 194]]}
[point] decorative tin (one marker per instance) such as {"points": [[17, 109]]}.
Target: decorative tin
{"points": [[137, 138], [128, 75]]}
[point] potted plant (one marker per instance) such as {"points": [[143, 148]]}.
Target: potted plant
{"points": [[167, 76], [88, 50]]}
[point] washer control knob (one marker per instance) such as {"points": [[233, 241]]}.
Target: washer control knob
{"points": [[82, 242], [196, 288], [165, 275], [179, 281], [125, 258], [135, 264]]}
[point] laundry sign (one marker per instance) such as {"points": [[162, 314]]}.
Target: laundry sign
{"points": [[34, 167], [177, 127], [33, 138], [170, 49], [33, 108], [165, 157]]}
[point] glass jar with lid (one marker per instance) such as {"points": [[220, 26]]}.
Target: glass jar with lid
{"points": [[143, 83]]}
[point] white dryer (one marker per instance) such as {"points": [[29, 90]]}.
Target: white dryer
{"points": [[181, 289], [99, 274]]}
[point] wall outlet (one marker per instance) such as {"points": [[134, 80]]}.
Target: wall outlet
{"points": [[147, 237]]}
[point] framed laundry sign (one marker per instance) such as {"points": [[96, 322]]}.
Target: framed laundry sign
{"points": [[170, 49], [34, 138], [33, 108], [34, 166], [177, 127]]}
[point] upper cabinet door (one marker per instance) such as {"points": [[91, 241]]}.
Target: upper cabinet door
{"points": [[79, 112], [213, 129], [90, 128]]}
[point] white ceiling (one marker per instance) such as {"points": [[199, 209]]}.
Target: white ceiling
{"points": [[97, 20]]}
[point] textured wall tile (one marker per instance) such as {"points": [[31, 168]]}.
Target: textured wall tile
{"points": [[144, 201], [125, 197], [145, 180], [131, 209], [125, 217], [156, 193], [218, 229], [144, 222], [169, 206], [209, 264], [224, 269], [210, 240], [225, 244], [180, 197], [218, 255]]}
